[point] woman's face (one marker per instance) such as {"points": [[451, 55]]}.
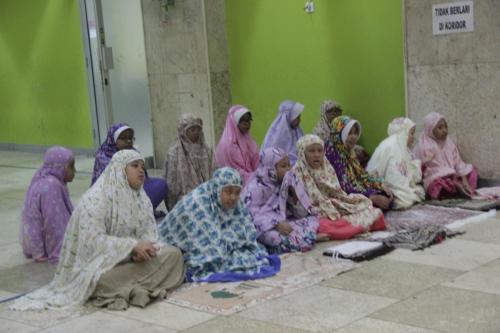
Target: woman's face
{"points": [[440, 131], [135, 174], [411, 137], [229, 196], [282, 167], [332, 114], [295, 123], [194, 134], [125, 140], [69, 171], [245, 123], [315, 155], [352, 138]]}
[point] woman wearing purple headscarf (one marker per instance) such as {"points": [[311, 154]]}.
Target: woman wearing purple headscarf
{"points": [[285, 131], [121, 136], [280, 208], [47, 206]]}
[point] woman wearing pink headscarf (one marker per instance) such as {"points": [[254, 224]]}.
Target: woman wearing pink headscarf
{"points": [[445, 174], [237, 149]]}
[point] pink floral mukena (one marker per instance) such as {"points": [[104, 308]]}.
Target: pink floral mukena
{"points": [[235, 149]]}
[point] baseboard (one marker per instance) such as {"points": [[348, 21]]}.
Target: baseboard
{"points": [[488, 182], [42, 148], [149, 161]]}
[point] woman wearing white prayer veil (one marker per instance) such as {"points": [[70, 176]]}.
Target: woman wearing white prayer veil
{"points": [[392, 160], [109, 252]]}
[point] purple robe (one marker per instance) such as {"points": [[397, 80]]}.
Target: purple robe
{"points": [[281, 134], [47, 207], [266, 198], [104, 154], [156, 188]]}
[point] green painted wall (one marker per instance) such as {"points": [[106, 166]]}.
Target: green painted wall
{"points": [[348, 50], [43, 89]]}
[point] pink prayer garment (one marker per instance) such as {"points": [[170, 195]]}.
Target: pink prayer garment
{"points": [[441, 161], [236, 149]]}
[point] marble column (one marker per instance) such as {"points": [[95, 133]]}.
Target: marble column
{"points": [[188, 67]]}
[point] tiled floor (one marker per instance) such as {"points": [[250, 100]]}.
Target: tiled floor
{"points": [[451, 287]]}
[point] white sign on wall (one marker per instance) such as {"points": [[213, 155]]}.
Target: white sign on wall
{"points": [[453, 17]]}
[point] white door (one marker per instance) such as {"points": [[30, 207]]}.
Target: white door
{"points": [[120, 80]]}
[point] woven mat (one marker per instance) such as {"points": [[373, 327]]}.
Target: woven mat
{"points": [[427, 214], [298, 270], [472, 204]]}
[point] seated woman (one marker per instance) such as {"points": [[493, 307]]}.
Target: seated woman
{"points": [[445, 174], [351, 175], [189, 160], [121, 136], [392, 160], [47, 206], [328, 110], [109, 252], [236, 148], [285, 131], [280, 208], [214, 230], [342, 215]]}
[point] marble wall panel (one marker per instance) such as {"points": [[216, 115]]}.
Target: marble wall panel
{"points": [[459, 76]]}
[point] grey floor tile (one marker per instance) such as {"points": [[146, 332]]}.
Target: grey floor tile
{"points": [[43, 319], [6, 294], [486, 231], [16, 193], [241, 325], [10, 204], [167, 315], [16, 158], [24, 278], [317, 308], [9, 172], [485, 278], [10, 220], [84, 163], [8, 326], [390, 278], [381, 326], [30, 163], [105, 322], [447, 310], [15, 185], [12, 255], [459, 254]]}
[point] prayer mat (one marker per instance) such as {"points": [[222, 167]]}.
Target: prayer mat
{"points": [[489, 193], [464, 203], [424, 225], [298, 270], [421, 215]]}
